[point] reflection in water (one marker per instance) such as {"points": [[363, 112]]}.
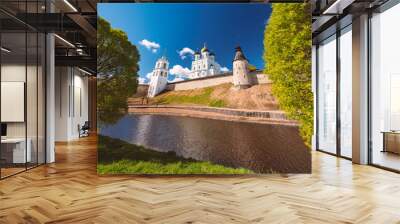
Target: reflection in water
{"points": [[260, 147], [109, 117]]}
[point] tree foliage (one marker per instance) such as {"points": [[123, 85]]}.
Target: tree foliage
{"points": [[115, 53], [287, 55], [117, 67]]}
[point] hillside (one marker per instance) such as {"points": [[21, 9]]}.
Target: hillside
{"points": [[257, 97]]}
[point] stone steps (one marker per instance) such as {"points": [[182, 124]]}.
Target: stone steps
{"points": [[276, 115]]}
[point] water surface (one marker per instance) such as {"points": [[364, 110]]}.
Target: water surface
{"points": [[259, 147]]}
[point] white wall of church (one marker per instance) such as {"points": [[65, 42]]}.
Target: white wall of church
{"points": [[204, 65], [158, 80], [157, 85]]}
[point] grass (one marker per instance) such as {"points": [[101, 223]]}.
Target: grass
{"points": [[203, 98], [141, 167], [119, 157]]}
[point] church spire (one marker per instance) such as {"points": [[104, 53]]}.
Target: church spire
{"points": [[164, 55], [204, 49]]}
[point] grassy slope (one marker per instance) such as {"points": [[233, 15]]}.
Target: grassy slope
{"points": [[202, 97], [119, 157], [257, 97]]}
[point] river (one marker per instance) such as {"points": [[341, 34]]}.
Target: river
{"points": [[259, 147]]}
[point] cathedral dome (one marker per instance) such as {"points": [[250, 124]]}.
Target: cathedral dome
{"points": [[204, 49]]}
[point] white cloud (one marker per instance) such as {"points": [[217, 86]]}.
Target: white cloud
{"points": [[224, 69], [142, 80], [184, 52], [150, 45], [178, 70], [177, 79], [145, 79]]}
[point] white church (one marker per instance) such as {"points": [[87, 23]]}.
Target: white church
{"points": [[204, 65], [159, 77]]}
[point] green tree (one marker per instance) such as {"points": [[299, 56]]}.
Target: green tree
{"points": [[287, 55], [117, 68]]}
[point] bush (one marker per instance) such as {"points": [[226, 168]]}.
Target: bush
{"points": [[287, 55]]}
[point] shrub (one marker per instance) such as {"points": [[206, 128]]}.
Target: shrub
{"points": [[287, 55]]}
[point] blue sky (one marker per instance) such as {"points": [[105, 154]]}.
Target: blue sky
{"points": [[170, 28]]}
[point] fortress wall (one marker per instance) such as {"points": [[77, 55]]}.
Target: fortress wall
{"points": [[259, 78], [255, 78], [202, 83], [141, 90]]}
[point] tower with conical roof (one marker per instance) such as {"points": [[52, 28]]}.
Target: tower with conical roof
{"points": [[159, 77], [240, 70]]}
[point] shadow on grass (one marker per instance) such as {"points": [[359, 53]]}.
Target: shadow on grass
{"points": [[119, 157]]}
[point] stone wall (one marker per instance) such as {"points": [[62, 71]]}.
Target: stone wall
{"points": [[141, 90], [256, 77], [274, 115], [200, 83], [259, 78]]}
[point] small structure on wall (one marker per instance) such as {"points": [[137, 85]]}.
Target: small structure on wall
{"points": [[240, 70], [159, 77]]}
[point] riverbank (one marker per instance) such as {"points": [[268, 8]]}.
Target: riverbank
{"points": [[228, 114], [120, 157]]}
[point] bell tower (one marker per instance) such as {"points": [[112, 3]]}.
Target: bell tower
{"points": [[159, 77]]}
